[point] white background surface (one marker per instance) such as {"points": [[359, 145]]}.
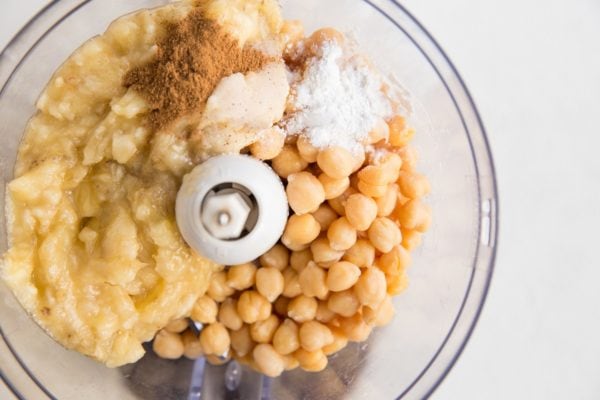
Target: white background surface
{"points": [[533, 68]]}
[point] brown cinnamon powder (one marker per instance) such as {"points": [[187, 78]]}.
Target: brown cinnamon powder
{"points": [[192, 58]]}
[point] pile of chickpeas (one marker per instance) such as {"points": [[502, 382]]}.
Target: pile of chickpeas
{"points": [[329, 281]]}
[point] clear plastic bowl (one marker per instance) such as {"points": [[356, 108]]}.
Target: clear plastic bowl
{"points": [[450, 273]]}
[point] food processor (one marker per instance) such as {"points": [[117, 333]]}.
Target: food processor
{"points": [[449, 277]]}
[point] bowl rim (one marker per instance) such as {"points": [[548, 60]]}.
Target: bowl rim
{"points": [[26, 39], [494, 213]]}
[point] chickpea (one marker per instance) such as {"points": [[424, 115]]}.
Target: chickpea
{"points": [[361, 254], [288, 161], [302, 308], [269, 283], [295, 246], [241, 341], [300, 230], [409, 158], [376, 175], [410, 239], [386, 171], [392, 163], [355, 328], [307, 151], [290, 362], [396, 124], [218, 289], [214, 339], [381, 315], [177, 325], [277, 257], [415, 215], [268, 361], [387, 202], [286, 340], [229, 316], [400, 138], [400, 135], [325, 215], [371, 287], [323, 254], [397, 283], [380, 131], [204, 310], [341, 276], [168, 345], [252, 307], [311, 361], [341, 234], [269, 144], [361, 211], [240, 277], [384, 234], [339, 342], [344, 303], [305, 192], [324, 314], [191, 345], [413, 185], [314, 335], [281, 306], [312, 281], [370, 190], [333, 187], [336, 162], [263, 331], [394, 262], [299, 259], [291, 285]]}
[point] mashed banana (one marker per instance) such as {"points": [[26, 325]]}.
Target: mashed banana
{"points": [[95, 254]]}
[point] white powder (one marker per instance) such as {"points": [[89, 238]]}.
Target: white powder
{"points": [[375, 154], [338, 100]]}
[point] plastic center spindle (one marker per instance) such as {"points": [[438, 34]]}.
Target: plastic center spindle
{"points": [[231, 209], [225, 214]]}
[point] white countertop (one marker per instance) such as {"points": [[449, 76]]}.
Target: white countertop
{"points": [[534, 70]]}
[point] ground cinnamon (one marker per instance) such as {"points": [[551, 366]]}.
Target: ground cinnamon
{"points": [[195, 54]]}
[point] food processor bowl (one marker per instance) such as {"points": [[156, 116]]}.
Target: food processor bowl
{"points": [[449, 277]]}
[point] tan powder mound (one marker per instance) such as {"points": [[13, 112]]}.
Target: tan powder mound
{"points": [[192, 59]]}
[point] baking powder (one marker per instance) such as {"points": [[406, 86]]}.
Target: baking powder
{"points": [[337, 100]]}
